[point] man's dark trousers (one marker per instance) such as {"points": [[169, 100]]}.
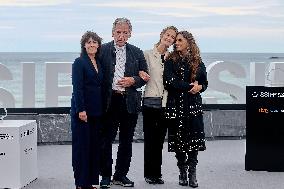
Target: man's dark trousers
{"points": [[117, 117]]}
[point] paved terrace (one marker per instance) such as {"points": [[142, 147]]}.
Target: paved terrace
{"points": [[221, 166]]}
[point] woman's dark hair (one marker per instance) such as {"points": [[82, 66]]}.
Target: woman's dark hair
{"points": [[192, 56], [86, 36]]}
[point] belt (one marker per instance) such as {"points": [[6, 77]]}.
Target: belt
{"points": [[117, 92]]}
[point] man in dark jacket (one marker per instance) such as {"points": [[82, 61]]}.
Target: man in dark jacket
{"points": [[121, 64]]}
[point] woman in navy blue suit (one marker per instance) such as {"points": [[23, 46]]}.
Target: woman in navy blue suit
{"points": [[86, 111]]}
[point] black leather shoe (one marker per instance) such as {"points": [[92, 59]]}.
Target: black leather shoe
{"points": [[90, 187], [123, 181], [193, 183], [105, 183], [150, 180], [160, 181]]}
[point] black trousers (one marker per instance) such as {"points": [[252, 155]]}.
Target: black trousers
{"points": [[117, 118], [155, 130], [85, 150]]}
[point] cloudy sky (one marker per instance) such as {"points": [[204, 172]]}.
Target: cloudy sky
{"points": [[218, 25]]}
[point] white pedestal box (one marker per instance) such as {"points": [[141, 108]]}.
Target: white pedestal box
{"points": [[18, 153]]}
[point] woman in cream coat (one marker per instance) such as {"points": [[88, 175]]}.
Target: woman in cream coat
{"points": [[153, 115]]}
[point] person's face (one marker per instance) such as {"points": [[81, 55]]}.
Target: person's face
{"points": [[91, 46], [168, 38], [121, 34], [181, 44]]}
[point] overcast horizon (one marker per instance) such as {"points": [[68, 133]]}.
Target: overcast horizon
{"points": [[218, 26]]}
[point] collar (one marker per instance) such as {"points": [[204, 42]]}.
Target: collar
{"points": [[156, 52], [86, 56], [119, 48]]}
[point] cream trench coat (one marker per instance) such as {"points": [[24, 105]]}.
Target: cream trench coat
{"points": [[155, 87]]}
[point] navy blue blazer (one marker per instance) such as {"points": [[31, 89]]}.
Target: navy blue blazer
{"points": [[87, 92], [135, 62]]}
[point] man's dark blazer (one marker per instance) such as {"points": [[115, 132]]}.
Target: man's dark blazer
{"points": [[87, 92], [135, 62]]}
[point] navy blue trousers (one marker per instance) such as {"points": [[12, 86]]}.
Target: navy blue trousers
{"points": [[85, 150]]}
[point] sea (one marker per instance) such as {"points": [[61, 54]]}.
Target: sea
{"points": [[13, 61]]}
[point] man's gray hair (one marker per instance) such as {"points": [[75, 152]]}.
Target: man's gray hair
{"points": [[120, 21]]}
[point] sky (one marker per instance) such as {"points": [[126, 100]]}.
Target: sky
{"points": [[217, 25]]}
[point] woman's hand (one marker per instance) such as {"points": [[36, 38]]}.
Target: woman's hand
{"points": [[166, 55], [83, 116], [196, 88], [144, 76]]}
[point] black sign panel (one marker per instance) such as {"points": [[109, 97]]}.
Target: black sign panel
{"points": [[264, 128]]}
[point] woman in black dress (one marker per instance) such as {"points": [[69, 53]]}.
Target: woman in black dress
{"points": [[185, 78]]}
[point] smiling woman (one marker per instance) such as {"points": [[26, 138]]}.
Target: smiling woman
{"points": [[154, 125], [86, 111], [185, 77]]}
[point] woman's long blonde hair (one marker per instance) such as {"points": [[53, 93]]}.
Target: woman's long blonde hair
{"points": [[165, 30]]}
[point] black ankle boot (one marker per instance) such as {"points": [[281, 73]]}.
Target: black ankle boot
{"points": [[192, 182], [183, 176]]}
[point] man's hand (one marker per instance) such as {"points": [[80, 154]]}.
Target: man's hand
{"points": [[126, 82], [144, 76]]}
